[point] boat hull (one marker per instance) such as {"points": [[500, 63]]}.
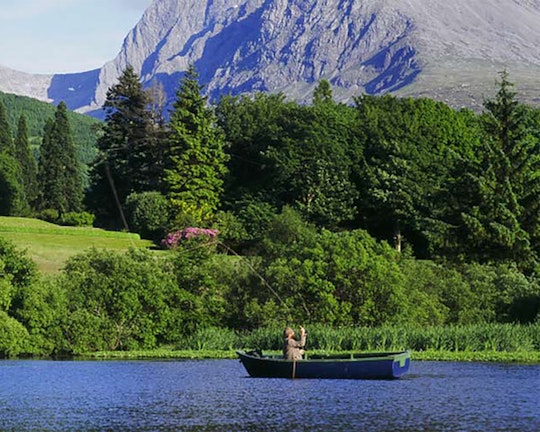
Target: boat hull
{"points": [[363, 366]]}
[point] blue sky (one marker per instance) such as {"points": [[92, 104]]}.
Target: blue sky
{"points": [[60, 36]]}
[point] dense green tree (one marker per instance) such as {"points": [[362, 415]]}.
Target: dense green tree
{"points": [[27, 161], [148, 214], [311, 164], [286, 154], [59, 170], [12, 197], [410, 146], [126, 161], [195, 155], [497, 202], [322, 93], [125, 301], [6, 138], [310, 276], [251, 125]]}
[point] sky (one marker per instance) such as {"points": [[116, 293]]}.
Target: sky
{"points": [[63, 36]]}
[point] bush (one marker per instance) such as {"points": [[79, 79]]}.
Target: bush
{"points": [[148, 214], [77, 219], [49, 215], [13, 336], [15, 265]]}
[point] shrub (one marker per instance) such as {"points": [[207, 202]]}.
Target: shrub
{"points": [[148, 214], [77, 219], [13, 336], [49, 215]]}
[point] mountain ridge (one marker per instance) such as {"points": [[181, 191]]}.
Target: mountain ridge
{"points": [[447, 51]]}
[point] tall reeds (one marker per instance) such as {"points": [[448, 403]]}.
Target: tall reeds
{"points": [[480, 337]]}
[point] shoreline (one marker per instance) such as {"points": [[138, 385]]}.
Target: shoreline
{"points": [[521, 357]]}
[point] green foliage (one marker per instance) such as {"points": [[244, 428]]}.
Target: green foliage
{"points": [[60, 173], [15, 265], [148, 214], [27, 162], [322, 93], [128, 157], [334, 278], [6, 139], [13, 336], [464, 338], [124, 301], [195, 156], [12, 197], [42, 309], [78, 219], [36, 114], [495, 214], [410, 146]]}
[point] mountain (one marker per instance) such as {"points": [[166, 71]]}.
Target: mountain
{"points": [[449, 51]]}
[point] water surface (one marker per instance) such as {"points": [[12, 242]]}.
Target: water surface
{"points": [[218, 396]]}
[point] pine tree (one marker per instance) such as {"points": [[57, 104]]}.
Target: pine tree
{"points": [[195, 158], [127, 161], [27, 161], [59, 172], [498, 196], [6, 138]]}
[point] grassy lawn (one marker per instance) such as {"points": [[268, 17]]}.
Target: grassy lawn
{"points": [[50, 245]]}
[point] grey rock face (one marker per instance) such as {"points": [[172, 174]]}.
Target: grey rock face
{"points": [[451, 51]]}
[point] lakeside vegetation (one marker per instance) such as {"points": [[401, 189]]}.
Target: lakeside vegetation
{"points": [[492, 342], [390, 224]]}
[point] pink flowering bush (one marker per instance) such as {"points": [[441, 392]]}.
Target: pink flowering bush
{"points": [[174, 239]]}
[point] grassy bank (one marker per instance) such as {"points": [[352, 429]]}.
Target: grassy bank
{"points": [[50, 245]]}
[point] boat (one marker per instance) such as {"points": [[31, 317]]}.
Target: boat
{"points": [[382, 365]]}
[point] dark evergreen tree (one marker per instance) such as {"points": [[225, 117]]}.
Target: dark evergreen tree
{"points": [[27, 161], [195, 157], [125, 163], [6, 138], [499, 209], [12, 201], [12, 198], [59, 171]]}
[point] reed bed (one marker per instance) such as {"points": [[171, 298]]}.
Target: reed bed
{"points": [[470, 338]]}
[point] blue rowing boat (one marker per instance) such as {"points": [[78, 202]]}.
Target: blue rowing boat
{"points": [[384, 365]]}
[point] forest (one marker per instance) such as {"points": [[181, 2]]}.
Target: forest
{"points": [[264, 211]]}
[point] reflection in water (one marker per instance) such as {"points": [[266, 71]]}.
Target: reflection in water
{"points": [[217, 396]]}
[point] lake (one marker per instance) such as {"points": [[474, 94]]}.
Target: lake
{"points": [[217, 395]]}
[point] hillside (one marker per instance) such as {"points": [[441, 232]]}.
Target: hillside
{"points": [[37, 112], [50, 245]]}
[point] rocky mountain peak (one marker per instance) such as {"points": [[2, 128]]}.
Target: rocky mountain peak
{"points": [[450, 51]]}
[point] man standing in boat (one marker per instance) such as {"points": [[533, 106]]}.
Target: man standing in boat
{"points": [[293, 349]]}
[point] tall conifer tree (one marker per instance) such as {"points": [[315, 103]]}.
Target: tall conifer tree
{"points": [[6, 138], [59, 173], [126, 163], [196, 158], [26, 160]]}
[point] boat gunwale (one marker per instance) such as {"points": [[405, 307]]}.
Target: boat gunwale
{"points": [[365, 357]]}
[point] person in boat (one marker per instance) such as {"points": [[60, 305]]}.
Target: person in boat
{"points": [[293, 349]]}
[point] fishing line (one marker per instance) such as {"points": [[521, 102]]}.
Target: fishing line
{"points": [[263, 280]]}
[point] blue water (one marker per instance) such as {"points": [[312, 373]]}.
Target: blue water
{"points": [[218, 396]]}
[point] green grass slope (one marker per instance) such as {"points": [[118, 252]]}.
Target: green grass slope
{"points": [[50, 245], [37, 113]]}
